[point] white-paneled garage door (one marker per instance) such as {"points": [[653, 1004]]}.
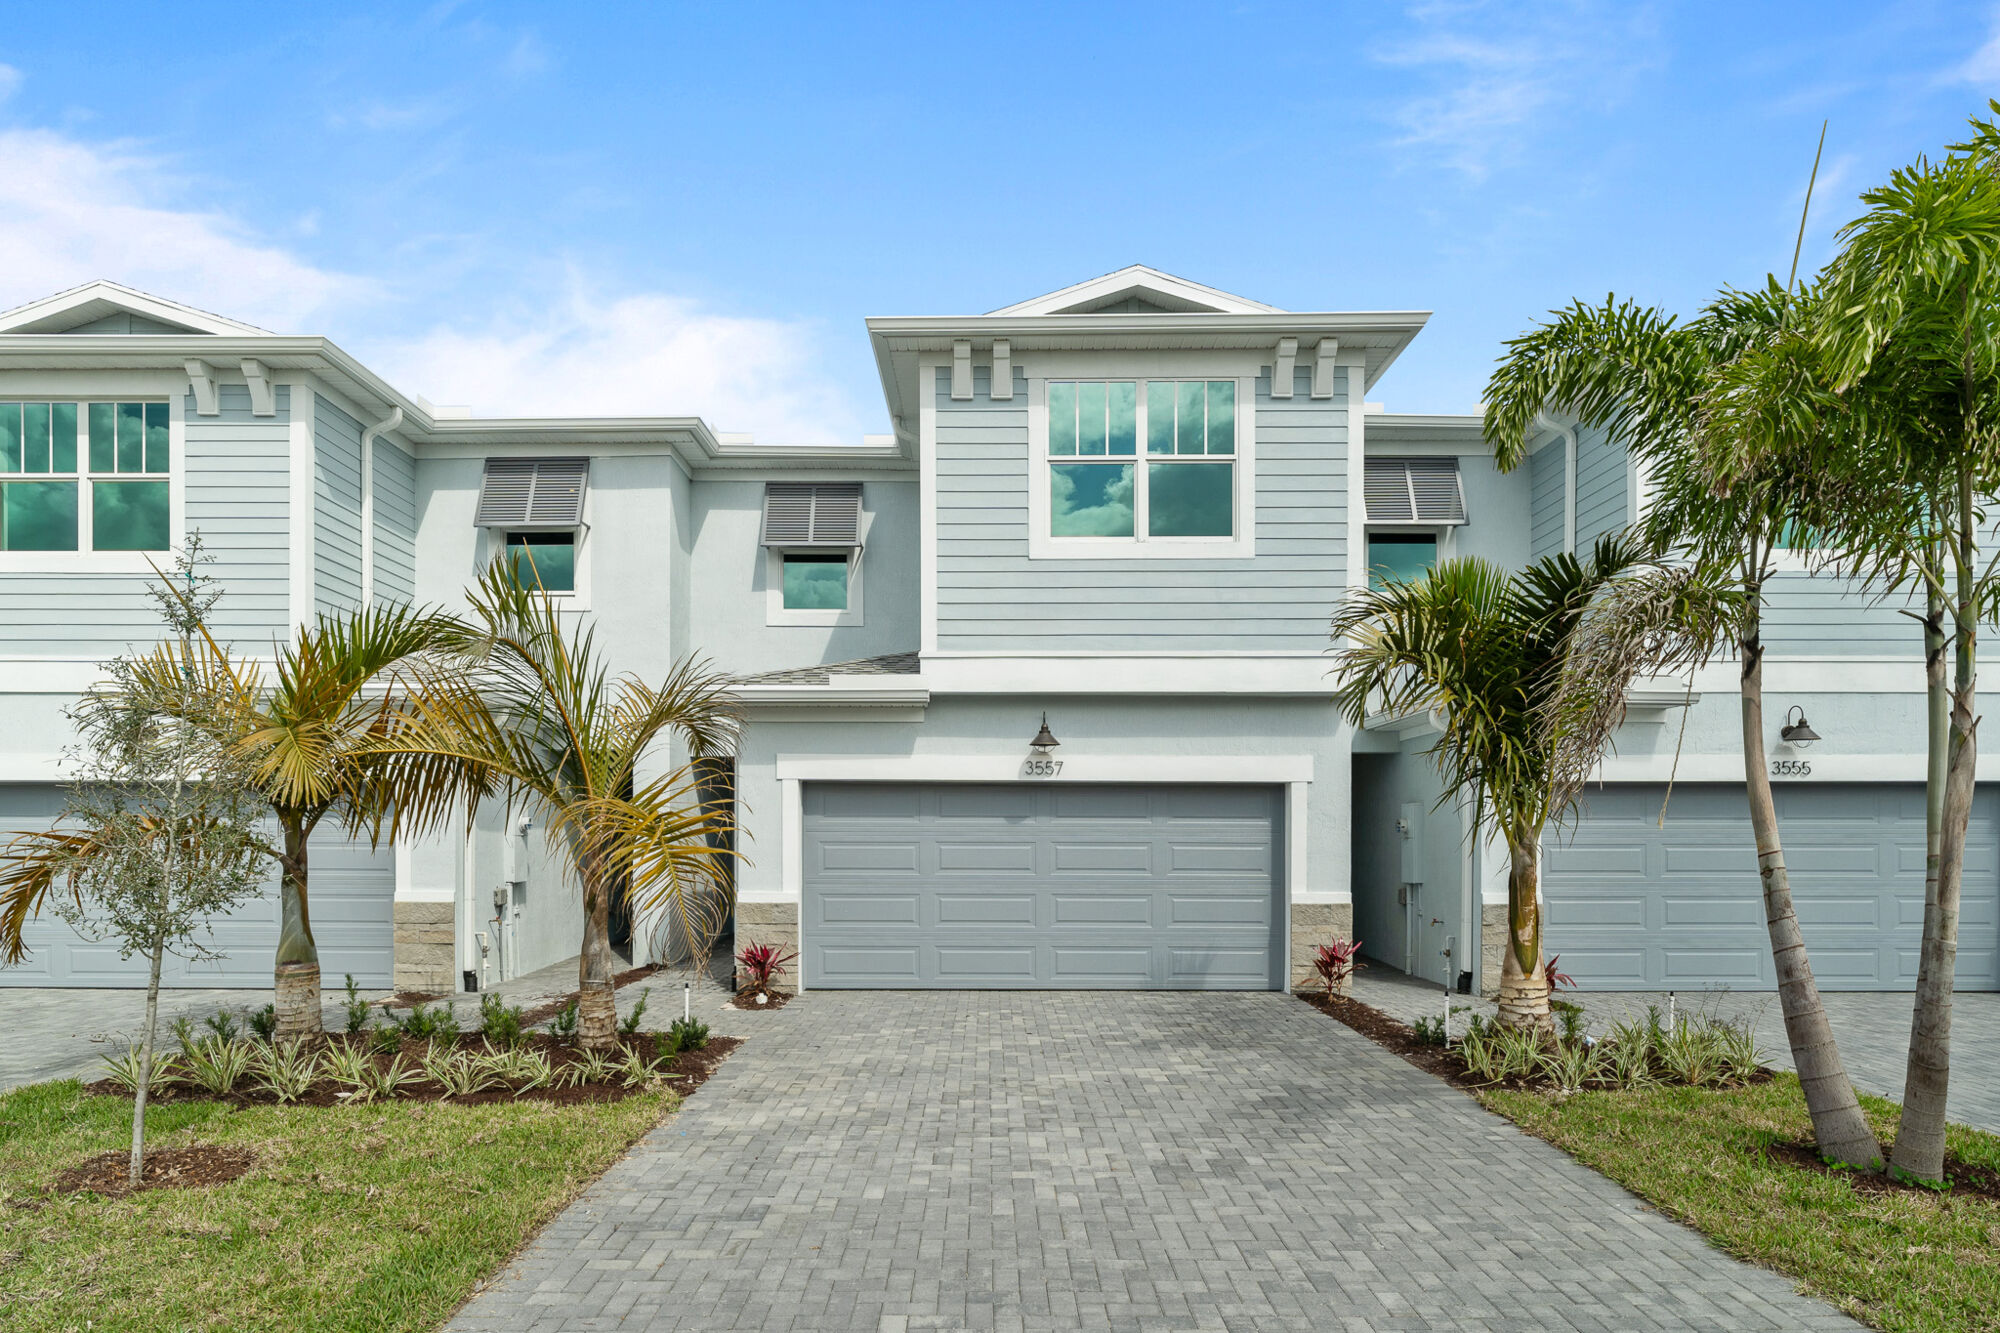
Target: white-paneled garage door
{"points": [[353, 897], [1042, 886], [1633, 905]]}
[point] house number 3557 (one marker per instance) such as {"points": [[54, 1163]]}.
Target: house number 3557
{"points": [[1041, 768]]}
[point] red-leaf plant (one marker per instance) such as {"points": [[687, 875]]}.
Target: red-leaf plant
{"points": [[1336, 962], [1557, 980], [761, 962]]}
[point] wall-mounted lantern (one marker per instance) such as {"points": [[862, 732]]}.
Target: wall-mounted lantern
{"points": [[1797, 731], [1045, 741]]}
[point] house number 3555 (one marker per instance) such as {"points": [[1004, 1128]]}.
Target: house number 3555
{"points": [[1791, 768], [1041, 768]]}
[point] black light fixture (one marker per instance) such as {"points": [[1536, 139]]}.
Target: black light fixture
{"points": [[1797, 731], [1045, 740]]}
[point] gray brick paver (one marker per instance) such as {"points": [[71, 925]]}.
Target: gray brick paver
{"points": [[1043, 1161]]}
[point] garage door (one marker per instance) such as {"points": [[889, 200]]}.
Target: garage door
{"points": [[1633, 905], [353, 896], [1141, 888]]}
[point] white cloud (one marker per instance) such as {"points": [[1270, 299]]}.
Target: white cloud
{"points": [[1983, 65], [1495, 72], [636, 354], [72, 211]]}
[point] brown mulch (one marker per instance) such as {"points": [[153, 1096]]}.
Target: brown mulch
{"points": [[1964, 1177], [747, 1000], [684, 1073], [542, 1013], [1440, 1061], [405, 999], [164, 1169]]}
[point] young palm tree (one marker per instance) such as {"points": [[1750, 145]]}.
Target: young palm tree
{"points": [[1485, 651], [1652, 382], [312, 739], [529, 705]]}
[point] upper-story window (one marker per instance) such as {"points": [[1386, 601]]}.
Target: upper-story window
{"points": [[84, 477], [535, 506], [1143, 466], [812, 537]]}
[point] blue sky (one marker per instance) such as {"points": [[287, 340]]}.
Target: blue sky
{"points": [[671, 209]]}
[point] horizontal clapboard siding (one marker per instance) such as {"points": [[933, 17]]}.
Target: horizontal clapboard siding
{"points": [[237, 468], [336, 508], [990, 595], [1601, 487], [1545, 480], [395, 523]]}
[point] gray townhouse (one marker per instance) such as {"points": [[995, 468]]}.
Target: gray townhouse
{"points": [[1037, 684]]}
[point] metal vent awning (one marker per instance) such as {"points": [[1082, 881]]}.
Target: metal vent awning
{"points": [[812, 513], [532, 493], [1413, 490]]}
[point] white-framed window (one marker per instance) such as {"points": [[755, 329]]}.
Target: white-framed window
{"points": [[81, 478], [1141, 467], [545, 560], [813, 586]]}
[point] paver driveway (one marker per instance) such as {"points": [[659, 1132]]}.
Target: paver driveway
{"points": [[1124, 1161]]}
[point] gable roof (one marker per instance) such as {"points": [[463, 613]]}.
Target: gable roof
{"points": [[1137, 289], [110, 307]]}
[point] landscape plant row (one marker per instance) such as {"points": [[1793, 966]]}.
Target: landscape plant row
{"points": [[1697, 1051]]}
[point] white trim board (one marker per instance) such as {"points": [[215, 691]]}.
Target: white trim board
{"points": [[1132, 674]]}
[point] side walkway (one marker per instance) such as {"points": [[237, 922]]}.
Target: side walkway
{"points": [[1069, 1160]]}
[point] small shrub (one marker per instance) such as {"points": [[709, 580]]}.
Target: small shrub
{"points": [[1737, 1047], [531, 1070], [631, 1024], [264, 1023], [499, 1022], [1628, 1055], [1517, 1052], [1570, 1065], [1691, 1055], [688, 1034], [761, 963], [387, 1040], [429, 1023], [382, 1082], [459, 1073], [591, 1067], [183, 1030], [124, 1070], [286, 1070], [1335, 964], [215, 1065], [634, 1069], [1480, 1053], [222, 1023], [357, 1008], [1429, 1031], [564, 1023], [1569, 1016], [346, 1065]]}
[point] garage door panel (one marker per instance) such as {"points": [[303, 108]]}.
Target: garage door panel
{"points": [[868, 857], [1856, 854], [1089, 887]]}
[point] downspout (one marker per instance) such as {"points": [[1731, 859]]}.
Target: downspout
{"points": [[368, 438]]}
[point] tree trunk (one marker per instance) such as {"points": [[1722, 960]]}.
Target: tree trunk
{"points": [[1524, 984], [1839, 1128], [297, 971], [137, 1166], [1927, 1073], [597, 1003]]}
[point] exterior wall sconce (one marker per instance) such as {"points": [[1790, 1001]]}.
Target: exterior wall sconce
{"points": [[1797, 731], [1045, 742]]}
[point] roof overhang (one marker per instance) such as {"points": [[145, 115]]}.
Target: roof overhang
{"points": [[689, 438], [901, 341], [96, 300]]}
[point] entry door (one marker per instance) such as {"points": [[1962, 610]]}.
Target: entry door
{"points": [[1042, 886]]}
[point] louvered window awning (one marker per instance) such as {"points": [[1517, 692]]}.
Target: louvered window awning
{"points": [[812, 513], [1414, 490], [532, 493]]}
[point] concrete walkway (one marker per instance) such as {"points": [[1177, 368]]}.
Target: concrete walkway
{"points": [[1872, 1027], [1069, 1160]]}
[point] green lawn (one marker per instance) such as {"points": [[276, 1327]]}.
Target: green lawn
{"points": [[362, 1218], [1899, 1261]]}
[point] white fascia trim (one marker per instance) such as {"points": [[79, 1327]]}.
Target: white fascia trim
{"points": [[1124, 675], [33, 768], [1140, 277], [27, 674], [835, 695], [1181, 769], [125, 298], [1728, 767]]}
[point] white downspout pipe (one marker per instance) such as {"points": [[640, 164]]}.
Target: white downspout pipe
{"points": [[368, 438]]}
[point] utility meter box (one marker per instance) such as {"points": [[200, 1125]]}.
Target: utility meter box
{"points": [[1410, 827]]}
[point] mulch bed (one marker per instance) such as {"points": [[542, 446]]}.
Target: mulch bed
{"points": [[164, 1169], [1440, 1061], [684, 1073], [1963, 1177], [747, 1001]]}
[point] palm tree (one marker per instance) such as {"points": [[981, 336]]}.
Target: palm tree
{"points": [[1910, 337], [1652, 381], [1484, 652], [312, 740], [529, 705]]}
